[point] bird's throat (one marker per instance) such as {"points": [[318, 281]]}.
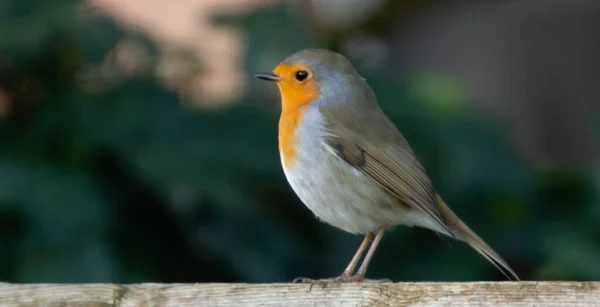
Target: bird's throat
{"points": [[294, 100], [288, 124]]}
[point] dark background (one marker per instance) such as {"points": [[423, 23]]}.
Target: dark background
{"points": [[111, 172]]}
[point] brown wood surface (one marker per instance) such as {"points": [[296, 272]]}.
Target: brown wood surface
{"points": [[352, 294]]}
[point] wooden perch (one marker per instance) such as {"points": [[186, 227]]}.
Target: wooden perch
{"points": [[289, 295]]}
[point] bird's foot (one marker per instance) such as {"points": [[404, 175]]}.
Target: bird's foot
{"points": [[377, 281], [359, 278], [303, 280], [340, 279]]}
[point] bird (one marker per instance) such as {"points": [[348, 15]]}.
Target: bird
{"points": [[350, 165]]}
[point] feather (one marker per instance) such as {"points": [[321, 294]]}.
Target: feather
{"points": [[379, 150]]}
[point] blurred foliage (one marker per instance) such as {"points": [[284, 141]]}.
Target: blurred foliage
{"points": [[127, 185]]}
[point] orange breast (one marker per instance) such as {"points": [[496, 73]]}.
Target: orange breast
{"points": [[295, 96], [288, 124]]}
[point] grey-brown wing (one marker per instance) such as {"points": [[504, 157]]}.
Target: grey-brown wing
{"points": [[392, 166]]}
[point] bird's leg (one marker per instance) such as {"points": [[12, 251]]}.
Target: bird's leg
{"points": [[347, 274], [359, 253], [360, 274]]}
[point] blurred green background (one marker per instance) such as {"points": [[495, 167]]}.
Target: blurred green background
{"points": [[129, 157]]}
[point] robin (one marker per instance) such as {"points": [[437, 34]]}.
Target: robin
{"points": [[350, 165]]}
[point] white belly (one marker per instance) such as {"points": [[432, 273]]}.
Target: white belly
{"points": [[337, 193]]}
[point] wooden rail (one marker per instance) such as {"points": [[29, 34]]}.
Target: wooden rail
{"points": [[289, 295]]}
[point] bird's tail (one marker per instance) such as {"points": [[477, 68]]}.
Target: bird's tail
{"points": [[462, 232]]}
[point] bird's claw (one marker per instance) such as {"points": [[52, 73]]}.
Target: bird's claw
{"points": [[302, 280], [359, 278], [340, 279], [378, 281]]}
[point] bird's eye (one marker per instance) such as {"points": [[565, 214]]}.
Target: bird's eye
{"points": [[301, 75]]}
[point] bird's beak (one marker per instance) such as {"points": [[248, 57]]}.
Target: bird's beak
{"points": [[269, 76]]}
